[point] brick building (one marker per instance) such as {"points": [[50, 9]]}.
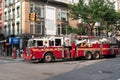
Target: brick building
{"points": [[1, 16]]}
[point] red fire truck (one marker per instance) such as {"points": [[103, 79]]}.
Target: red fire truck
{"points": [[50, 48]]}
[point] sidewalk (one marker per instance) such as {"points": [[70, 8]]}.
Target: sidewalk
{"points": [[10, 58]]}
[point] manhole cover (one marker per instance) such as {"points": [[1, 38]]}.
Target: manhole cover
{"points": [[70, 63], [48, 74], [106, 72]]}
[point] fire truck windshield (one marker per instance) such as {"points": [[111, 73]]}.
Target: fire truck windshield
{"points": [[31, 43]]}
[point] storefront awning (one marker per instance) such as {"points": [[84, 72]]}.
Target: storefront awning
{"points": [[2, 41]]}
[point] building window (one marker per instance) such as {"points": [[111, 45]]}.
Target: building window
{"points": [[31, 28], [5, 16], [62, 15], [6, 3], [31, 7], [18, 11], [61, 29], [13, 28], [13, 15], [9, 29], [17, 0], [18, 28], [0, 29], [39, 10], [58, 29], [9, 14], [39, 28], [0, 4], [5, 30], [0, 17], [10, 2]]}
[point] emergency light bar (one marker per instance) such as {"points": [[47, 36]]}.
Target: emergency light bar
{"points": [[84, 36]]}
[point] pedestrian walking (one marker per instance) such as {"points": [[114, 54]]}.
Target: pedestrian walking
{"points": [[18, 52], [21, 52], [14, 54]]}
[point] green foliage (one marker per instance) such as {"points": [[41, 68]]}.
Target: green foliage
{"points": [[111, 16], [109, 29], [91, 12], [100, 28], [95, 11], [69, 29], [79, 30]]}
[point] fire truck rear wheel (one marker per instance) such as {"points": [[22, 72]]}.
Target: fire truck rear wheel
{"points": [[48, 58], [88, 55], [96, 55]]}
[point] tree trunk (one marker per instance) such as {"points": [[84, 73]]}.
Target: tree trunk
{"points": [[90, 28]]}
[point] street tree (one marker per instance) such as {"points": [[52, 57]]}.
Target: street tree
{"points": [[79, 30], [94, 11]]}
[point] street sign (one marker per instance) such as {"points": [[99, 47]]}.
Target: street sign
{"points": [[14, 40]]}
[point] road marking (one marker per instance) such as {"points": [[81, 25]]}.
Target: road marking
{"points": [[86, 63]]}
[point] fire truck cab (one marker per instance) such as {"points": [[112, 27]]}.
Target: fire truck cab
{"points": [[46, 49], [45, 42]]}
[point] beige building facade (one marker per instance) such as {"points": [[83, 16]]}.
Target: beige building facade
{"points": [[52, 17], [48, 21]]}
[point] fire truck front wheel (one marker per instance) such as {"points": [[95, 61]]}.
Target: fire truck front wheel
{"points": [[88, 55], [48, 57]]}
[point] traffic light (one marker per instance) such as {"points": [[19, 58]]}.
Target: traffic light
{"points": [[32, 16], [35, 16]]}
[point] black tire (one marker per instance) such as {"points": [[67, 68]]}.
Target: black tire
{"points": [[48, 58], [114, 56], [96, 55], [88, 55]]}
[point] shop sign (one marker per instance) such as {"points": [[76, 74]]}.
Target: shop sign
{"points": [[14, 40]]}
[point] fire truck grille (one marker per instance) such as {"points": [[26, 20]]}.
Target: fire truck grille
{"points": [[28, 51]]}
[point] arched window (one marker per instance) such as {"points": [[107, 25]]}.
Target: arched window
{"points": [[18, 28], [5, 16], [13, 10], [8, 29], [18, 11], [13, 28]]}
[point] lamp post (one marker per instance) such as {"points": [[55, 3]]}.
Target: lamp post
{"points": [[97, 24]]}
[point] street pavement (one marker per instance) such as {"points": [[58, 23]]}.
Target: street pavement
{"points": [[108, 69], [18, 69]]}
